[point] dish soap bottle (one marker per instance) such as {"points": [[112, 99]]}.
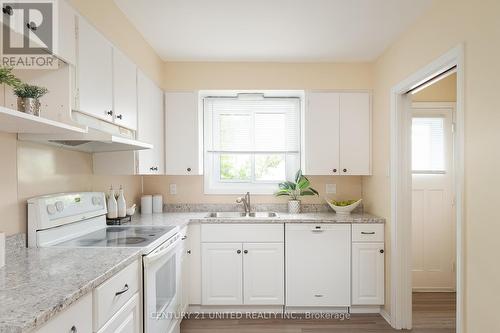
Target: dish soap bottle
{"points": [[112, 205], [122, 205]]}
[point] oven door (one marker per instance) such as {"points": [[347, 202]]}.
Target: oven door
{"points": [[161, 284]]}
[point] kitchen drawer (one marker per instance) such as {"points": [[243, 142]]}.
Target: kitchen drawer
{"points": [[78, 315], [127, 319], [365, 232], [110, 296], [242, 232]]}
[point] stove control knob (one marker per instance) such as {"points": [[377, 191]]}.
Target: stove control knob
{"points": [[96, 201], [51, 209], [59, 206]]}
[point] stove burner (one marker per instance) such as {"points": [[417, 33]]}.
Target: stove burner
{"points": [[128, 240]]}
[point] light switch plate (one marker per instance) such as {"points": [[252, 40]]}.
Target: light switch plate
{"points": [[331, 188], [173, 189]]}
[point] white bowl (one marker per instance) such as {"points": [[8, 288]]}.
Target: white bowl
{"points": [[344, 210]]}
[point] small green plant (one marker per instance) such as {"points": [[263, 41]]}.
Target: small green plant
{"points": [[295, 190], [25, 90], [6, 77]]}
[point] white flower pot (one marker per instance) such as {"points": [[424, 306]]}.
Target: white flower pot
{"points": [[294, 206]]}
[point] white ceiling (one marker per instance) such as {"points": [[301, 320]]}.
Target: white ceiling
{"points": [[271, 30]]}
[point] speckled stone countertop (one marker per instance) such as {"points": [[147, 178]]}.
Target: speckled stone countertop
{"points": [[36, 284], [181, 219]]}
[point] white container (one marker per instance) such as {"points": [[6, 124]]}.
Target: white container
{"points": [[157, 203], [294, 206], [147, 204], [344, 210], [2, 249], [122, 205], [112, 205]]}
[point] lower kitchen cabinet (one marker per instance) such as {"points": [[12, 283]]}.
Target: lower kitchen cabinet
{"points": [[222, 274], [367, 273], [126, 320], [194, 282], [318, 265]]}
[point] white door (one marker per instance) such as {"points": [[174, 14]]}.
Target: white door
{"points": [[95, 72], [182, 131], [124, 90], [368, 273], [322, 134], [150, 126], [222, 274], [263, 273], [318, 264], [355, 134], [433, 227]]}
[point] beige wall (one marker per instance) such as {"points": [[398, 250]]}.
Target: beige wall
{"points": [[213, 75], [448, 23], [444, 90]]}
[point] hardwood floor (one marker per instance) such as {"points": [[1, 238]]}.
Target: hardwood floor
{"points": [[432, 313]]}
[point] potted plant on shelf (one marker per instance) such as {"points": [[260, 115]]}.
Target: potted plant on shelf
{"points": [[295, 190], [28, 98]]}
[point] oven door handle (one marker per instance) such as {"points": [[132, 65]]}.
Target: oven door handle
{"points": [[157, 254]]}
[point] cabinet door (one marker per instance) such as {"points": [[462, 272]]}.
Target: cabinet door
{"points": [[355, 134], [318, 271], [126, 320], [321, 153], [67, 27], [182, 133], [367, 274], [95, 72], [263, 273], [124, 90], [150, 126], [222, 274], [194, 264]]}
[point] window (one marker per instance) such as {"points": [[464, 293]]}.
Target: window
{"points": [[251, 142], [428, 151]]}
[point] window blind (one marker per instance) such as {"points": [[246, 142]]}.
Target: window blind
{"points": [[428, 150]]}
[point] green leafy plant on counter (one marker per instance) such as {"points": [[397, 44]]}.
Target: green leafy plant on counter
{"points": [[25, 90], [343, 203], [295, 190], [6, 77]]}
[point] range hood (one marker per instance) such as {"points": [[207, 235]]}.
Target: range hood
{"points": [[93, 141]]}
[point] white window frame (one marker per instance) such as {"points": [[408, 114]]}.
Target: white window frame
{"points": [[213, 186]]}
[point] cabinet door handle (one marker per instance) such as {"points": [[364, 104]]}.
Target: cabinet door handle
{"points": [[318, 295], [188, 251], [119, 116], [381, 251], [317, 229], [245, 251], [110, 112], [188, 169], [184, 237], [239, 251], [344, 170], [124, 290], [334, 170], [8, 10], [368, 233], [73, 329], [32, 26]]}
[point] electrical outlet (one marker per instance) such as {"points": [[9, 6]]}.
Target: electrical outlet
{"points": [[173, 189], [331, 188]]}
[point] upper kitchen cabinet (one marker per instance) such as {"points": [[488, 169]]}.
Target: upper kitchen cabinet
{"points": [[182, 131], [66, 47], [150, 129], [337, 133], [94, 73], [124, 91]]}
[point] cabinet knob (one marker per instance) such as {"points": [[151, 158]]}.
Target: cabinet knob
{"points": [[188, 251], [334, 170], [188, 169], [32, 26], [245, 251], [381, 251], [110, 112], [154, 168], [184, 237], [8, 10], [239, 251], [344, 170], [73, 329], [119, 116]]}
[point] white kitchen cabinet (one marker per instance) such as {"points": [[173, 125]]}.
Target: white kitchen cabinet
{"points": [[124, 91], [337, 133], [318, 265], [126, 320], [222, 278], [355, 134], [185, 257], [95, 72], [66, 45], [150, 126], [263, 273], [194, 264], [182, 131], [76, 318]]}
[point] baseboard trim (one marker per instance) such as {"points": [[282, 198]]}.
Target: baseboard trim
{"points": [[385, 315], [211, 309], [433, 290], [365, 309]]}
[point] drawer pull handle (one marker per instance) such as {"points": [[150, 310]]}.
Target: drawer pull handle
{"points": [[318, 295], [73, 329], [368, 233], [124, 290], [184, 237]]}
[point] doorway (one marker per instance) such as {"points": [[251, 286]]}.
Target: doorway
{"points": [[426, 195]]}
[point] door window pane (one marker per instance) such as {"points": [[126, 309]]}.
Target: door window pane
{"points": [[428, 151]]}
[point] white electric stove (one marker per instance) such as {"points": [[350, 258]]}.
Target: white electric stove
{"points": [[79, 220]]}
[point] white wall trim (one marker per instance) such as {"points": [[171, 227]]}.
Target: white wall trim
{"points": [[385, 315], [401, 284]]}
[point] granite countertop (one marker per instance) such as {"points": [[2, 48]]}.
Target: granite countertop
{"points": [[36, 284], [183, 218]]}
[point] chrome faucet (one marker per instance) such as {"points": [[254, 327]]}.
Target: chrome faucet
{"points": [[246, 202]]}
